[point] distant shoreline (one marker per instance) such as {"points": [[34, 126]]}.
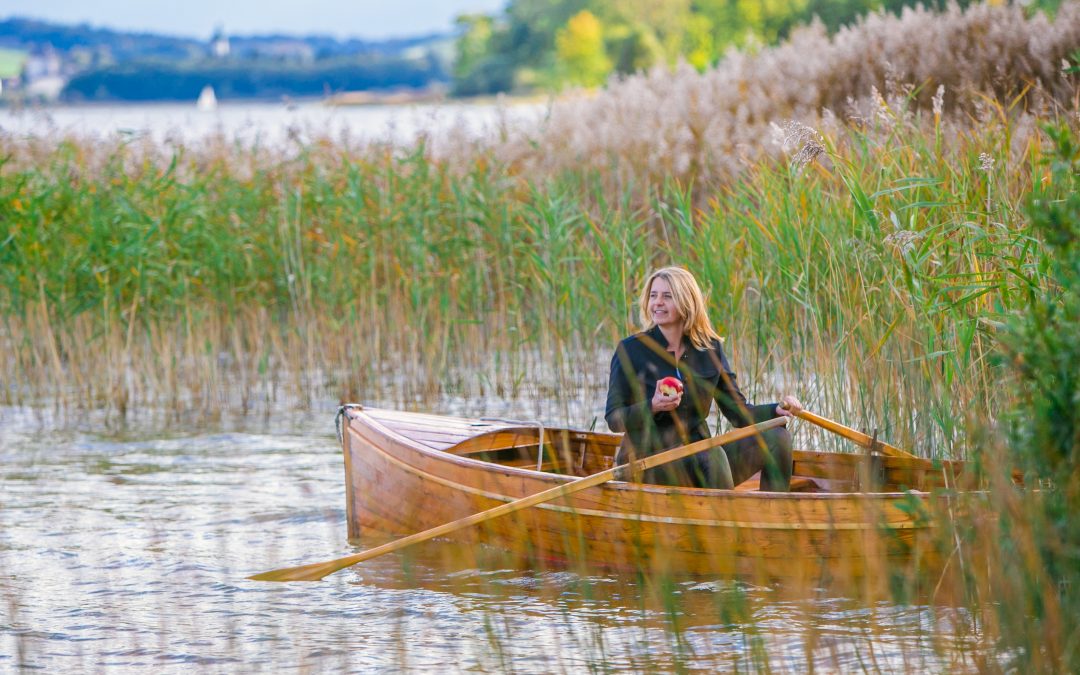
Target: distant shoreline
{"points": [[346, 99]]}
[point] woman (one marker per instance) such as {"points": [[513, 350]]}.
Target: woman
{"points": [[679, 341]]}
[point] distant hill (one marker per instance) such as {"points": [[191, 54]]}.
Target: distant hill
{"points": [[146, 80], [30, 34], [103, 64]]}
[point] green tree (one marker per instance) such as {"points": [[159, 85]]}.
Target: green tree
{"points": [[579, 49], [771, 19], [531, 26], [700, 42], [1044, 355], [666, 20], [473, 43], [728, 25], [517, 50], [633, 48], [837, 13], [479, 66]]}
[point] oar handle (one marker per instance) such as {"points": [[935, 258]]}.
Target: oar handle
{"points": [[853, 435], [316, 571]]}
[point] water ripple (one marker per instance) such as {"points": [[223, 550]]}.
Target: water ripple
{"points": [[129, 552]]}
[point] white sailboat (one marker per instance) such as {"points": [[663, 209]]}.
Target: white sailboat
{"points": [[207, 100]]}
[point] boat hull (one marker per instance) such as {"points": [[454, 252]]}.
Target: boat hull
{"points": [[398, 484]]}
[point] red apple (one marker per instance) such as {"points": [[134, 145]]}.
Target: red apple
{"points": [[669, 386]]}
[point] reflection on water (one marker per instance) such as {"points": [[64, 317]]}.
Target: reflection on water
{"points": [[263, 122], [129, 549]]}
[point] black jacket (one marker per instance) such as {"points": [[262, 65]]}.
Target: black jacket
{"points": [[640, 361]]}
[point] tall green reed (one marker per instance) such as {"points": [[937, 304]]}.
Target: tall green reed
{"points": [[870, 281]]}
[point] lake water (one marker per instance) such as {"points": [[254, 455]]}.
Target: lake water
{"points": [[265, 122], [126, 549]]}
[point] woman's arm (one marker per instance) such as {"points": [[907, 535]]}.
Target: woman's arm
{"points": [[627, 410]]}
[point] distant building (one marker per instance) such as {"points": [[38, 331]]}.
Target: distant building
{"points": [[219, 43], [42, 63], [43, 74], [47, 88]]}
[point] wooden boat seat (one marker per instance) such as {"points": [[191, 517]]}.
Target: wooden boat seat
{"points": [[798, 484]]}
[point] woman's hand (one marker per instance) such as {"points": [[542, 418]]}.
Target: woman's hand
{"points": [[789, 405], [662, 403]]}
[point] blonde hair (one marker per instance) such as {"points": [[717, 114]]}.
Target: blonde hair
{"points": [[689, 301]]}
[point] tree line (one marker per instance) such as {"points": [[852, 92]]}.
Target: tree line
{"points": [[550, 44], [148, 80], [103, 64]]}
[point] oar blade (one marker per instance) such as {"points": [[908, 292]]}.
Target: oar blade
{"points": [[317, 571], [312, 572]]}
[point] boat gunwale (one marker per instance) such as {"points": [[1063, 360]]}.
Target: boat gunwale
{"points": [[472, 463]]}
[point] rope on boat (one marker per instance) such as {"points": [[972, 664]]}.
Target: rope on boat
{"points": [[337, 419], [526, 423]]}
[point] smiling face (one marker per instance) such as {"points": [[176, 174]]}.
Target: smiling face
{"points": [[672, 299], [662, 308]]}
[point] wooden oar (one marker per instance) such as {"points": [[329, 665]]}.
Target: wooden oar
{"points": [[852, 435], [316, 571]]}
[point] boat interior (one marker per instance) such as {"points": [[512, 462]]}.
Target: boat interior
{"points": [[528, 445], [582, 453]]}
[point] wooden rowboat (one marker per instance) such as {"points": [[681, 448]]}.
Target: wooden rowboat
{"points": [[849, 516]]}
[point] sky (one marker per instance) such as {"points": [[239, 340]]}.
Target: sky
{"points": [[198, 18]]}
